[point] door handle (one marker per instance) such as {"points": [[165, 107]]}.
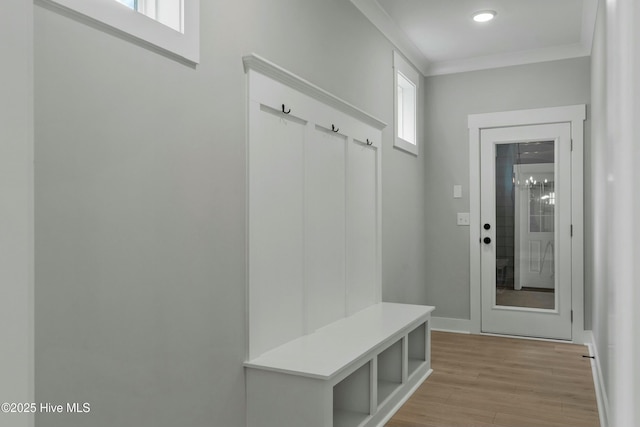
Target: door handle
{"points": [[486, 240]]}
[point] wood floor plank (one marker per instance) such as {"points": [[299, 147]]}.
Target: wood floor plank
{"points": [[502, 382]]}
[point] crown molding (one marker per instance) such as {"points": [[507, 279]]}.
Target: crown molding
{"points": [[554, 53], [372, 10], [589, 15]]}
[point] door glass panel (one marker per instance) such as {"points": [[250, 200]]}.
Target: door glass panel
{"points": [[525, 225]]}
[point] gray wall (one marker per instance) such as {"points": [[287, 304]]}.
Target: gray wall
{"points": [[140, 205], [449, 99], [16, 208], [597, 256]]}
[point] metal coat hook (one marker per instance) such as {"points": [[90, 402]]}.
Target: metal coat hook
{"points": [[335, 129], [285, 112], [369, 142]]}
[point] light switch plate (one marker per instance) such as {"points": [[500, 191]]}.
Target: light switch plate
{"points": [[463, 218], [457, 191]]}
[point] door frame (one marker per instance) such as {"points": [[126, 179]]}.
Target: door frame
{"points": [[573, 114]]}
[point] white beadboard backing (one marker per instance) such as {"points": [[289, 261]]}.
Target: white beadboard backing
{"points": [[314, 208]]}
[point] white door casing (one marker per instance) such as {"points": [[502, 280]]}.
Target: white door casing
{"points": [[575, 115]]}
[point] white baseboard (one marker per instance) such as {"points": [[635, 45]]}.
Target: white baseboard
{"points": [[598, 381], [447, 324]]}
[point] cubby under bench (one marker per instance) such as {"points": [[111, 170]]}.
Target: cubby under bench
{"points": [[354, 372]]}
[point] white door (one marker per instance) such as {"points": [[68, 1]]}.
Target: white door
{"points": [[534, 219], [525, 209]]}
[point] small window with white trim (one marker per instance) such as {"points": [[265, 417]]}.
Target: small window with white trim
{"points": [[407, 81], [167, 12], [172, 26]]}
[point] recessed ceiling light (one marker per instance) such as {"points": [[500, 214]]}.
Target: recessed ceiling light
{"points": [[484, 15]]}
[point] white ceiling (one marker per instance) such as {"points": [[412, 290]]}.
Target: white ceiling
{"points": [[440, 37]]}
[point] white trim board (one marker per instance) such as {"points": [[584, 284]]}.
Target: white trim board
{"points": [[279, 74], [598, 379], [574, 114], [534, 116], [448, 324]]}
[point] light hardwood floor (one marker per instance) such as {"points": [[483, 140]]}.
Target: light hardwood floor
{"points": [[506, 382]]}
